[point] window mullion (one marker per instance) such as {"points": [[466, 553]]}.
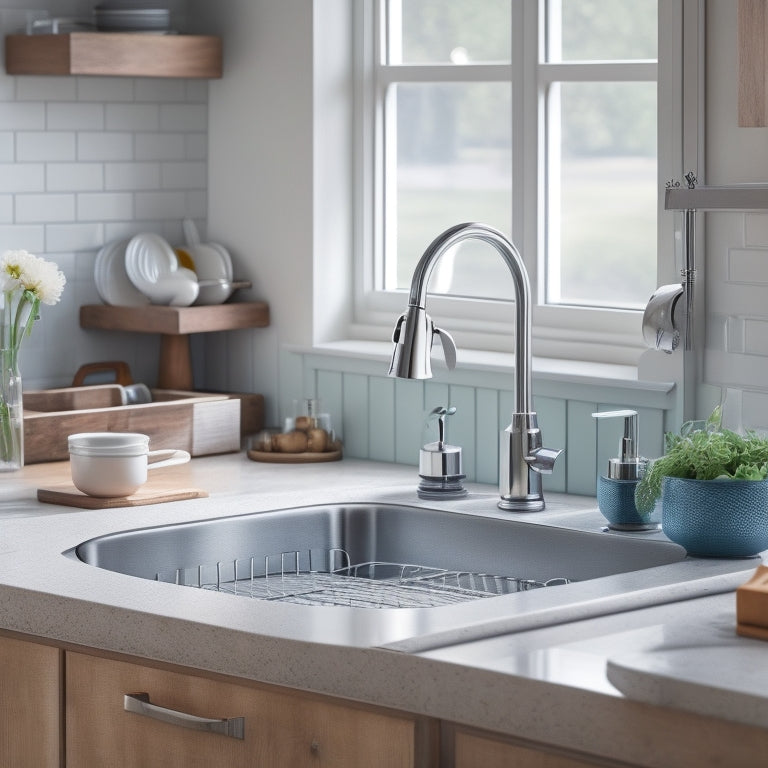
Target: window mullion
{"points": [[599, 71], [444, 73]]}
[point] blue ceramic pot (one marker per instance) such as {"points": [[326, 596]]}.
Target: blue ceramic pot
{"points": [[716, 518]]}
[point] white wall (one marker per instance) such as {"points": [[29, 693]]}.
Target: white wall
{"points": [[736, 265], [261, 179]]}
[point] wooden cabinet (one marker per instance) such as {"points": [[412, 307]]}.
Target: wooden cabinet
{"points": [[30, 704], [472, 750], [116, 54], [281, 728]]}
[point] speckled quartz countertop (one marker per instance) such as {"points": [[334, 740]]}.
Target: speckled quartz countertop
{"points": [[495, 664]]}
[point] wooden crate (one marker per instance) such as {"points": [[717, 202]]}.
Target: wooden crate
{"points": [[201, 423]]}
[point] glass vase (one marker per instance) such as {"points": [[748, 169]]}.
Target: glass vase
{"points": [[11, 413]]}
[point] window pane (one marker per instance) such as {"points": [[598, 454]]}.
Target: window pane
{"points": [[453, 164], [451, 31], [601, 30], [603, 180]]}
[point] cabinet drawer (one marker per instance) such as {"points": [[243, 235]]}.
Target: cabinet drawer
{"points": [[280, 728]]}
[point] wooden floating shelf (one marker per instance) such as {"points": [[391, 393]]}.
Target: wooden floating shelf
{"points": [[174, 324], [114, 53]]}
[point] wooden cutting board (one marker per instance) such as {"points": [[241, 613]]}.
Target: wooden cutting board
{"points": [[67, 495]]}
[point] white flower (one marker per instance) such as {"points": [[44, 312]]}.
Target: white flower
{"points": [[31, 273]]}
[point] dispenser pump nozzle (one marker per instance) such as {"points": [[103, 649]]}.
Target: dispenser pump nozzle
{"points": [[627, 465]]}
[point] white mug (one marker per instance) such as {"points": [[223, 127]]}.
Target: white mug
{"points": [[115, 464]]}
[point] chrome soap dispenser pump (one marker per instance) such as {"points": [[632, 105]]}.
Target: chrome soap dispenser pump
{"points": [[616, 490], [440, 467]]}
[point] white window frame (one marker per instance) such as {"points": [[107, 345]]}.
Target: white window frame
{"points": [[576, 333]]}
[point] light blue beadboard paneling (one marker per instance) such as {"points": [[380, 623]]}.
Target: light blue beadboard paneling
{"points": [[384, 419], [581, 454], [329, 391], [355, 410], [551, 416], [409, 420], [436, 393], [487, 427], [462, 426], [292, 383], [381, 419]]}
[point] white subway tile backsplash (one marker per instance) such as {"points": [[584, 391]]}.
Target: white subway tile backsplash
{"points": [[105, 206], [6, 209], [7, 146], [84, 161], [45, 89], [75, 116], [160, 90], [74, 177], [197, 90], [45, 146], [22, 177], [160, 146], [187, 175], [104, 146], [184, 117], [105, 89], [73, 237], [18, 116], [43, 209], [748, 265], [197, 146], [133, 176], [160, 205], [197, 204], [29, 237], [133, 117]]}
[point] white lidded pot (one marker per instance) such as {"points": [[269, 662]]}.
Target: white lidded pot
{"points": [[115, 464]]}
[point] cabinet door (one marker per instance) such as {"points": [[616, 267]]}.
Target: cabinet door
{"points": [[473, 751], [280, 728], [30, 698]]}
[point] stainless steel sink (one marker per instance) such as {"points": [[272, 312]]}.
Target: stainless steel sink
{"points": [[331, 554]]}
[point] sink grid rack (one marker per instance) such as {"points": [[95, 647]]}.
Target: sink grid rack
{"points": [[328, 578]]}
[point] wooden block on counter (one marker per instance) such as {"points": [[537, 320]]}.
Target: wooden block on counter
{"points": [[201, 423], [67, 495], [752, 605]]}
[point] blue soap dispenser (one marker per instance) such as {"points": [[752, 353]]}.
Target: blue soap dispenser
{"points": [[616, 490]]}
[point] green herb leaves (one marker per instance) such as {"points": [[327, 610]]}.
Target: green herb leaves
{"points": [[704, 451]]}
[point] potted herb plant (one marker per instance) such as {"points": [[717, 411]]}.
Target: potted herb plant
{"points": [[713, 489]]}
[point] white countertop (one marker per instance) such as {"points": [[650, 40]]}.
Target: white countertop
{"points": [[506, 671]]}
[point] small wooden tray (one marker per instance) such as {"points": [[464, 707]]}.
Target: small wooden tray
{"points": [[273, 457], [68, 496]]}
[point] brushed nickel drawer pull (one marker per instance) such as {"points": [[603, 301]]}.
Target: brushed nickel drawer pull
{"points": [[140, 704]]}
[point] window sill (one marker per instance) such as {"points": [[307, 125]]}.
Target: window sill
{"points": [[470, 362]]}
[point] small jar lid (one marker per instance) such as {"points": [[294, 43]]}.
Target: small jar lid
{"points": [[108, 443]]}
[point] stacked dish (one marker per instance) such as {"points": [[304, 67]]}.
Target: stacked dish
{"points": [[146, 269], [153, 268], [116, 16]]}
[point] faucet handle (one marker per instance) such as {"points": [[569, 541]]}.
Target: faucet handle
{"points": [[449, 346]]}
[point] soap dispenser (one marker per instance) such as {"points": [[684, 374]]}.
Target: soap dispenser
{"points": [[616, 490], [440, 467]]}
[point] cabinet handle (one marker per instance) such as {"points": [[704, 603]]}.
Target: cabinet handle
{"points": [[140, 704]]}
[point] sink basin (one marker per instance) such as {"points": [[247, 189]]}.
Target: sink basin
{"points": [[607, 572], [439, 556]]}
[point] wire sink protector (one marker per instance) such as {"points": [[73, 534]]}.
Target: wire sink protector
{"points": [[326, 577]]}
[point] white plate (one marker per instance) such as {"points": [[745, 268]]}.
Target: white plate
{"points": [[210, 263], [112, 283], [149, 259]]}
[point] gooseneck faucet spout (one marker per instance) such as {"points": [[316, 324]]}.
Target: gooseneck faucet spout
{"points": [[522, 458]]}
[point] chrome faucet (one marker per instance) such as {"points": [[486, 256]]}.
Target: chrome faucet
{"points": [[522, 460]]}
